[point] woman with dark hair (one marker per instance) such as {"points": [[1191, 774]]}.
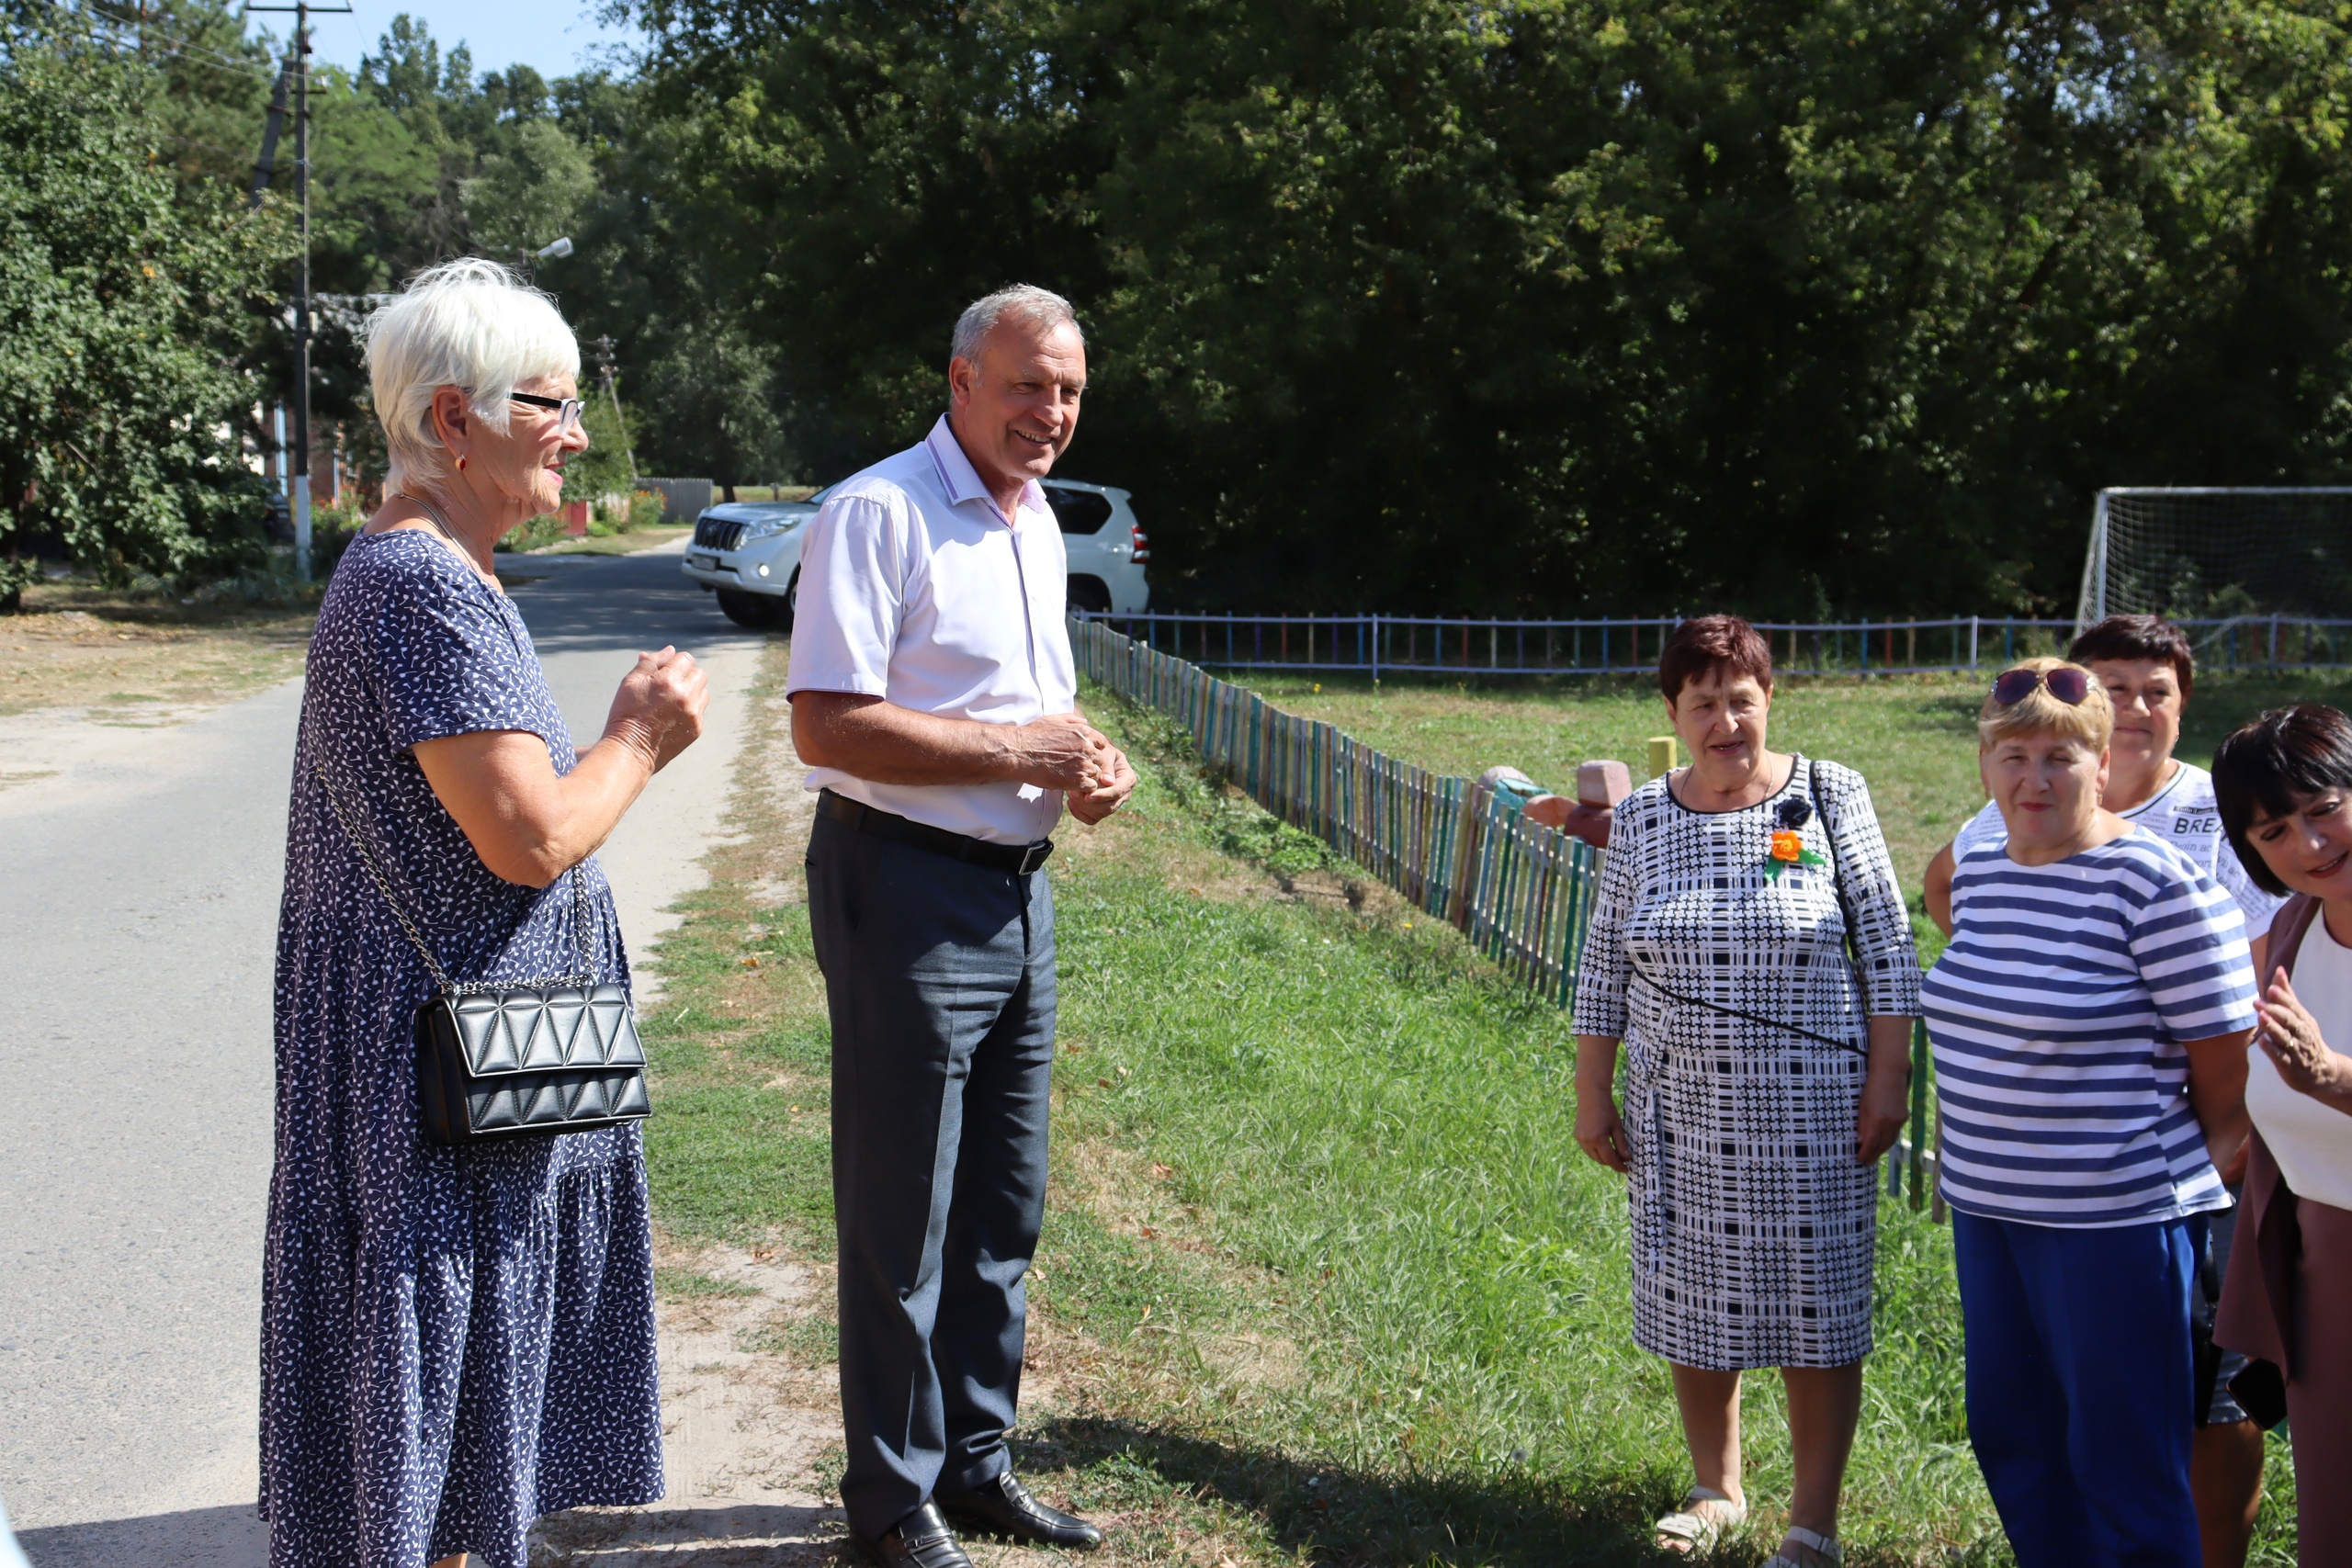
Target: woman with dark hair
{"points": [[1765, 1074], [2284, 783]]}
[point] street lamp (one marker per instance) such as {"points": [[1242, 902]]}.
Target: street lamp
{"points": [[554, 250]]}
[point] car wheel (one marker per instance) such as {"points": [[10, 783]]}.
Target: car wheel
{"points": [[759, 612], [1089, 593]]}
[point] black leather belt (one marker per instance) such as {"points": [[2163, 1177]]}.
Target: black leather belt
{"points": [[1019, 859]]}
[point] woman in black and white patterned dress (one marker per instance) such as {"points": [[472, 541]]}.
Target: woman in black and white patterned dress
{"points": [[1766, 1072]]}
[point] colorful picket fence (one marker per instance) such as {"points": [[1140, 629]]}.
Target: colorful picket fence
{"points": [[1381, 645], [1522, 893]]}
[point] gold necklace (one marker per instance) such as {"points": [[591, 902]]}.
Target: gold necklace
{"points": [[433, 515]]}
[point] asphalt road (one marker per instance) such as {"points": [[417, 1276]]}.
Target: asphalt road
{"points": [[138, 889]]}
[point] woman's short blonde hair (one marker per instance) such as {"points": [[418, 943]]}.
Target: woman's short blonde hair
{"points": [[468, 323], [2039, 712]]}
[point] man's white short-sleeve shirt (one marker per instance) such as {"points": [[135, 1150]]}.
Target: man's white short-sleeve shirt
{"points": [[915, 589]]}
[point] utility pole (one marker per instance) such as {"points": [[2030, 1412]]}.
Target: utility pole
{"points": [[612, 391], [298, 481]]}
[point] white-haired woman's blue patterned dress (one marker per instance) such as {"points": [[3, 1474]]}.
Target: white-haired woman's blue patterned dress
{"points": [[454, 1341], [1754, 1230]]}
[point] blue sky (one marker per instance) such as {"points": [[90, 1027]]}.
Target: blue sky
{"points": [[552, 36]]}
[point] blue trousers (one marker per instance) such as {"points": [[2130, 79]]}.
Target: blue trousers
{"points": [[2081, 1387], [939, 979]]}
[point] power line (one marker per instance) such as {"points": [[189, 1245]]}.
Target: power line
{"points": [[299, 68], [179, 49]]}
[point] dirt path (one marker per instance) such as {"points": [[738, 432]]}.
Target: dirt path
{"points": [[750, 1436], [750, 1412], [750, 1419]]}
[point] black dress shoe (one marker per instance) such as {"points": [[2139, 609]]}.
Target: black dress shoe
{"points": [[922, 1540], [1004, 1507]]}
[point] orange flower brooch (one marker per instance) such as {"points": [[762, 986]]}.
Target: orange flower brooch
{"points": [[1788, 842]]}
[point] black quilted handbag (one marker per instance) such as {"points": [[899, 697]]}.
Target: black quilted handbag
{"points": [[497, 1059]]}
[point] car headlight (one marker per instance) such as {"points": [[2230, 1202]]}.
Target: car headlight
{"points": [[769, 527]]}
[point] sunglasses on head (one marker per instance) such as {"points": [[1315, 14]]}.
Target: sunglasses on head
{"points": [[2069, 686]]}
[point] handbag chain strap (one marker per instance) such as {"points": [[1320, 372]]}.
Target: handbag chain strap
{"points": [[584, 977]]}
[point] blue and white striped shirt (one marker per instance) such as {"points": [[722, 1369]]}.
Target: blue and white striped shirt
{"points": [[2057, 1015]]}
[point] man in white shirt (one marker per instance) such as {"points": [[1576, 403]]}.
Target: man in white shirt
{"points": [[933, 695]]}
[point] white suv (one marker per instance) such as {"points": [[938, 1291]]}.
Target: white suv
{"points": [[748, 552]]}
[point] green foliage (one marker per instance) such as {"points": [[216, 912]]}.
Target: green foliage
{"points": [[528, 195], [603, 469], [123, 298], [417, 158], [1417, 303]]}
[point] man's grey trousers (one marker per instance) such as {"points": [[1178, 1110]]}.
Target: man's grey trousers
{"points": [[939, 976]]}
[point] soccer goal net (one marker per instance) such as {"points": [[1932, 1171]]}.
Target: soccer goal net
{"points": [[2219, 559]]}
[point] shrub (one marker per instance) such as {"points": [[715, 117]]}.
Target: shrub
{"points": [[544, 529]]}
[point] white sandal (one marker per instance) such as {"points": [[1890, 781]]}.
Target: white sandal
{"points": [[1824, 1546], [1690, 1533]]}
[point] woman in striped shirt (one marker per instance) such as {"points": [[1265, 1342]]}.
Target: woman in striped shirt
{"points": [[2089, 1021]]}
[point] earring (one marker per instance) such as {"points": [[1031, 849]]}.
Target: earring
{"points": [[461, 464]]}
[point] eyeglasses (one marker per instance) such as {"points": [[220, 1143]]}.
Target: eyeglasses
{"points": [[568, 409], [2069, 686]]}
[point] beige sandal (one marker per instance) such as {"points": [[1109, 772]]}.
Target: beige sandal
{"points": [[1690, 1533], [1824, 1548]]}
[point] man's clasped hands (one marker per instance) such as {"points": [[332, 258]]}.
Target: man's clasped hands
{"points": [[1063, 751]]}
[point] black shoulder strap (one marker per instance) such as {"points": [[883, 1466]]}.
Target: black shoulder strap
{"points": [[1837, 879], [1836, 886]]}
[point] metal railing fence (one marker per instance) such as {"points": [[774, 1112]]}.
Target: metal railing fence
{"points": [[1381, 645], [1522, 893]]}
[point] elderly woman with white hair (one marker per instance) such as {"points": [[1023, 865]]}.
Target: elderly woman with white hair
{"points": [[457, 1336]]}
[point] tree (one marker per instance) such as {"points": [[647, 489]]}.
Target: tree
{"points": [[416, 159], [122, 301], [1421, 304], [532, 192], [705, 394]]}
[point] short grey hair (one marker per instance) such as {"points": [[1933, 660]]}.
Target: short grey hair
{"points": [[468, 323], [1041, 308]]}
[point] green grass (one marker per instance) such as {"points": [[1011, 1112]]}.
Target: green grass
{"points": [[810, 1341], [1325, 1277], [686, 1285], [624, 544], [1376, 1133], [1912, 737]]}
